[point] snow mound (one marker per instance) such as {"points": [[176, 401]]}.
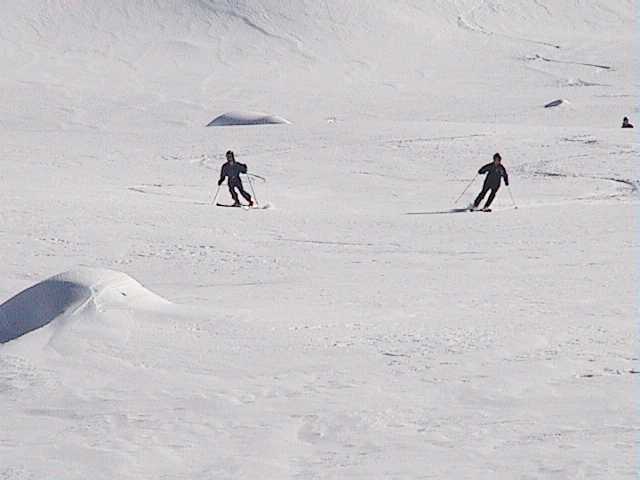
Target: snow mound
{"points": [[556, 103], [69, 293], [246, 118]]}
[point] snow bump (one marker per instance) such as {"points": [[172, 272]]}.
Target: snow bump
{"points": [[246, 118], [68, 294]]}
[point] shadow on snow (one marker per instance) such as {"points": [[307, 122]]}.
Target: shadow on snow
{"points": [[440, 212]]}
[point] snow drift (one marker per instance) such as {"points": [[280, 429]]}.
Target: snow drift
{"points": [[69, 293], [246, 118]]}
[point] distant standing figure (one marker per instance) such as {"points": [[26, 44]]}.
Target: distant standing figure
{"points": [[495, 172], [625, 123], [231, 170]]}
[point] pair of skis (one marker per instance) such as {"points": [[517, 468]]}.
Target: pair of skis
{"points": [[236, 205]]}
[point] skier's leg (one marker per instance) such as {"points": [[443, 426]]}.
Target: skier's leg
{"points": [[234, 194], [480, 196], [244, 194], [491, 197]]}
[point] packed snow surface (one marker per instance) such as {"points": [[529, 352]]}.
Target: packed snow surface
{"points": [[245, 118], [368, 327]]}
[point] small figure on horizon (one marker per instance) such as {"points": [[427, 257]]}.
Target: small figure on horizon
{"points": [[495, 171], [625, 123], [231, 170]]}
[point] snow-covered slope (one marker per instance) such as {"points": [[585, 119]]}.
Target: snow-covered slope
{"points": [[93, 64], [363, 327]]}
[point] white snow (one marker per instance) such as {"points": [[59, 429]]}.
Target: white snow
{"points": [[246, 118], [363, 328]]}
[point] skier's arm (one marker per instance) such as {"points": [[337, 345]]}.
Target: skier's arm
{"points": [[484, 169], [506, 176], [243, 167], [223, 174]]}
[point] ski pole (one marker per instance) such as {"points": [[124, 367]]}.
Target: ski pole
{"points": [[215, 197], [465, 190], [252, 190], [511, 195], [256, 176]]}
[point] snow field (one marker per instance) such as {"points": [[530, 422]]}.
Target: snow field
{"points": [[353, 331]]}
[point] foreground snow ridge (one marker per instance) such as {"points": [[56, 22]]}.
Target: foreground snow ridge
{"points": [[246, 118], [68, 294]]}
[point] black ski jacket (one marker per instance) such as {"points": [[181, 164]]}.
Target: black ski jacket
{"points": [[494, 174], [232, 171]]}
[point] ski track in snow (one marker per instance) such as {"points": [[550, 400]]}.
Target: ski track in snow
{"points": [[550, 60], [465, 22], [632, 184]]}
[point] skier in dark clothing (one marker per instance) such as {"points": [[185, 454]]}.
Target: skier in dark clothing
{"points": [[231, 170], [625, 123], [495, 171]]}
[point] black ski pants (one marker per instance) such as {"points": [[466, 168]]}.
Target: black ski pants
{"points": [[486, 188], [237, 184]]}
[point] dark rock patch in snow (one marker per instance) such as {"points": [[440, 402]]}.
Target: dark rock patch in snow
{"points": [[556, 103]]}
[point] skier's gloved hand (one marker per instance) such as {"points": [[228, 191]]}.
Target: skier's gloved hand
{"points": [[220, 182]]}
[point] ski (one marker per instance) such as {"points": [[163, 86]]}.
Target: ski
{"points": [[244, 207], [230, 205]]}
